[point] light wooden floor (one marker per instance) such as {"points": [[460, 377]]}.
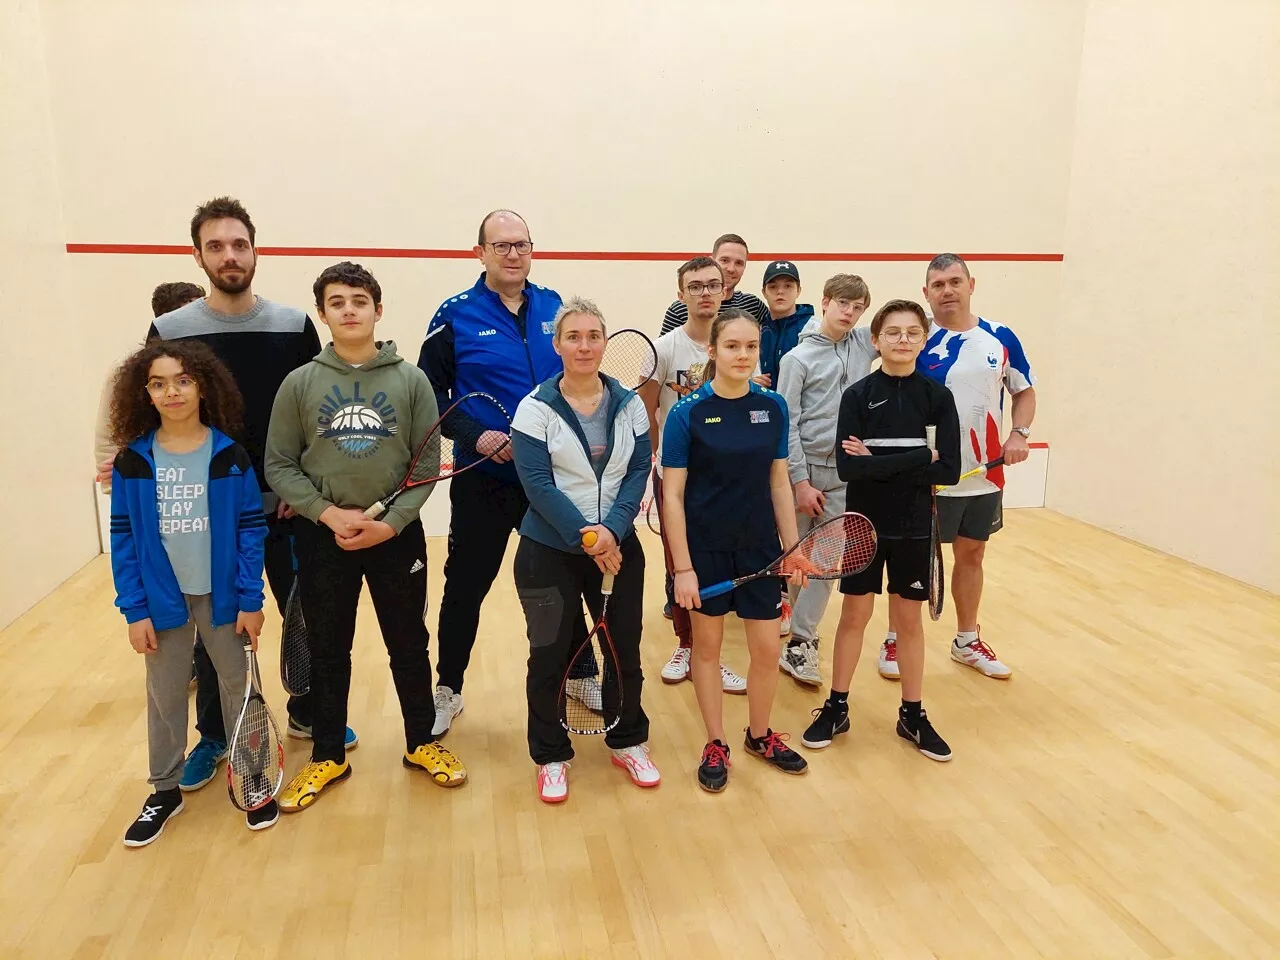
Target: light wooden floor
{"points": [[1119, 798]]}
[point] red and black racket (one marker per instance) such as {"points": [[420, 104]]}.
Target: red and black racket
{"points": [[578, 713], [629, 357], [474, 429], [835, 548]]}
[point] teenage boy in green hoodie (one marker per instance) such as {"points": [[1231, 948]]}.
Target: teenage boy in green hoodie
{"points": [[343, 430]]}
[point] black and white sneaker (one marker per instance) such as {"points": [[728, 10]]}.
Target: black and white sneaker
{"points": [[160, 806], [829, 720], [264, 817], [713, 770], [926, 739]]}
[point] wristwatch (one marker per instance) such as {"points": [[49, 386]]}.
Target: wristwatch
{"points": [[1024, 431]]}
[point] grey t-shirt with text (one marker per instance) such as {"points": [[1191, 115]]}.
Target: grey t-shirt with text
{"points": [[182, 501]]}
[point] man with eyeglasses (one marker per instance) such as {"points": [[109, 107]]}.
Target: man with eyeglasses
{"points": [[978, 360], [730, 253], [496, 337]]}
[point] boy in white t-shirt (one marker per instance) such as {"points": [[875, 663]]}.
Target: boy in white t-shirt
{"points": [[682, 358]]}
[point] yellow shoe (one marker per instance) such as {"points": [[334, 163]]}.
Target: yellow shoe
{"points": [[303, 789], [445, 769]]}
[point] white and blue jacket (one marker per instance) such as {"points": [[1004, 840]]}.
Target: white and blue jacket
{"points": [[144, 579], [552, 457], [475, 343]]}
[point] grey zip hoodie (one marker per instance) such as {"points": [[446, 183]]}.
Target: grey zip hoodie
{"points": [[344, 435], [812, 378]]}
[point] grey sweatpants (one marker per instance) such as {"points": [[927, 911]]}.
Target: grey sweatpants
{"points": [[808, 605], [168, 677]]}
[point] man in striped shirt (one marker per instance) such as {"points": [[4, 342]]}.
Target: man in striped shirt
{"points": [[730, 251]]}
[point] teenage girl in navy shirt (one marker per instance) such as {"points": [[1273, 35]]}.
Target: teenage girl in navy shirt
{"points": [[728, 512]]}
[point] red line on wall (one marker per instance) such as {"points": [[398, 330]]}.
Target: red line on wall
{"points": [[425, 253]]}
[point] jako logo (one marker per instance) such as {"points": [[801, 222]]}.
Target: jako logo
{"points": [[711, 420], [487, 333]]}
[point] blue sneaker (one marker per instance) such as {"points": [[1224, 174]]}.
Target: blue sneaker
{"points": [[201, 764], [299, 732]]}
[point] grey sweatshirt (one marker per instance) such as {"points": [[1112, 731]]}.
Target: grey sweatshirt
{"points": [[344, 435], [812, 378]]}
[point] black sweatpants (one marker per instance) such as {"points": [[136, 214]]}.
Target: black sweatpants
{"points": [[329, 579], [483, 512], [278, 560], [552, 585]]}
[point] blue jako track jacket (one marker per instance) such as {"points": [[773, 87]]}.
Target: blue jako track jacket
{"points": [[144, 578], [475, 343]]}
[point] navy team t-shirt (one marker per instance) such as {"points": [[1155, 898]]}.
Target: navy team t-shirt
{"points": [[728, 448]]}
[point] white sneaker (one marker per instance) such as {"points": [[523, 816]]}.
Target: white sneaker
{"points": [[635, 760], [785, 626], [677, 668], [981, 657], [448, 706], [730, 682], [888, 662], [801, 661], [586, 690], [553, 782]]}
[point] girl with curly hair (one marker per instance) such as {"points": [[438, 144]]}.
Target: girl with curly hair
{"points": [[187, 530]]}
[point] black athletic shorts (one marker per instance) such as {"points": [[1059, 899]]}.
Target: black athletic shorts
{"points": [[758, 600], [908, 563], [975, 518]]}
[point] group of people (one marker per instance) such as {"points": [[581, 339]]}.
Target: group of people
{"points": [[234, 443]]}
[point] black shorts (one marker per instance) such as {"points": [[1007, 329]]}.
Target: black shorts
{"points": [[974, 518], [757, 600], [908, 563]]}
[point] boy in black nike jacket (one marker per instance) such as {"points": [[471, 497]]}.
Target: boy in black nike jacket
{"points": [[884, 457]]}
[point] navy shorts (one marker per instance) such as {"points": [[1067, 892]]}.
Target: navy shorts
{"points": [[758, 600], [908, 563]]}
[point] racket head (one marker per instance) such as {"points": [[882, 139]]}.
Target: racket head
{"points": [[630, 358], [255, 758], [837, 547], [651, 517], [295, 648], [937, 590], [450, 446], [582, 718]]}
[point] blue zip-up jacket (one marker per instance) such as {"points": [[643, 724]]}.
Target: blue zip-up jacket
{"points": [[475, 343], [145, 583], [779, 337], [566, 492]]}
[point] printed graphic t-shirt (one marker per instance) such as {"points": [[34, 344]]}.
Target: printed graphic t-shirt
{"points": [[182, 501]]}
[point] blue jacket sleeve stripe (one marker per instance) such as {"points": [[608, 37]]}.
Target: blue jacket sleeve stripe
{"points": [[250, 538], [126, 570]]}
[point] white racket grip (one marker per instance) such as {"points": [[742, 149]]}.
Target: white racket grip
{"points": [[931, 436], [606, 584], [377, 510]]}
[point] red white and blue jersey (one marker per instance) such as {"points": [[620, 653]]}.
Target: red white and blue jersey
{"points": [[978, 365]]}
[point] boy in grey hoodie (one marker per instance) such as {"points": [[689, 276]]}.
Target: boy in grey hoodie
{"points": [[831, 356], [343, 430]]}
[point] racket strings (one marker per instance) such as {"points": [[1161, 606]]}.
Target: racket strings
{"points": [[592, 708], [295, 653], [629, 358], [452, 445], [839, 547], [251, 762]]}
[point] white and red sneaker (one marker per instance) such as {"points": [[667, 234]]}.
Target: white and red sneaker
{"points": [[553, 782], [635, 760], [888, 661], [981, 657], [676, 669], [785, 625]]}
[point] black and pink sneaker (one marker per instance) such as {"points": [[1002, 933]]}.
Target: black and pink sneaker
{"points": [[713, 771], [773, 749]]}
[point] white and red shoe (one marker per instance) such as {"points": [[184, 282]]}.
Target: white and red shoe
{"points": [[981, 657], [635, 760], [553, 782], [784, 627], [887, 664]]}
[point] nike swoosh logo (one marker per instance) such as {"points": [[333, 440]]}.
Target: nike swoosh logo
{"points": [[872, 406], [934, 366]]}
